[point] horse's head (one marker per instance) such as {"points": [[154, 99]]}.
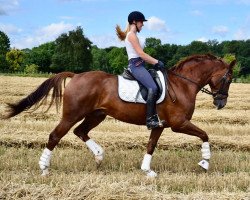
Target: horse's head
{"points": [[220, 83]]}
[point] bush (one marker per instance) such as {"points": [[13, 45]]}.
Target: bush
{"points": [[31, 69]]}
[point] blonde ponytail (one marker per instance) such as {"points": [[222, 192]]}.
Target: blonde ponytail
{"points": [[121, 34]]}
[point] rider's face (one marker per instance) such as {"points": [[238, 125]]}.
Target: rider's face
{"points": [[139, 25]]}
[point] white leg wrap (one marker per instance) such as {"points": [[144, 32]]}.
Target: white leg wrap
{"points": [[204, 164], [96, 149], [145, 166], [205, 150], [44, 161], [206, 154]]}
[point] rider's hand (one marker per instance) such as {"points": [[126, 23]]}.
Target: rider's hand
{"points": [[159, 65]]}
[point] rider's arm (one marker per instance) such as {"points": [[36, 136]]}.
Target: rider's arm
{"points": [[133, 39]]}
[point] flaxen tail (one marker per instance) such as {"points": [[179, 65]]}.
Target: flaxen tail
{"points": [[41, 95]]}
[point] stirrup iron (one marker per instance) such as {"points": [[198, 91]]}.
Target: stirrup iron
{"points": [[154, 122]]}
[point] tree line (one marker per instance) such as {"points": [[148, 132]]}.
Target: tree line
{"points": [[74, 52]]}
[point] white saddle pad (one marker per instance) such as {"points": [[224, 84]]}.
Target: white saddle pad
{"points": [[129, 90]]}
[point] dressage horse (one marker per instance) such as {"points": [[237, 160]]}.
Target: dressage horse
{"points": [[91, 96]]}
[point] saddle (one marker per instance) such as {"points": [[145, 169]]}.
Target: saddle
{"points": [[143, 90]]}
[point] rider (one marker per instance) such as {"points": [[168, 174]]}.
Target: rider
{"points": [[137, 58]]}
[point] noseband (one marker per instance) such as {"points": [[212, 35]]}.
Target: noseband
{"points": [[219, 94], [222, 93]]}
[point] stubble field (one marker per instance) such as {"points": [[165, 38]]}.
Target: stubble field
{"points": [[73, 171]]}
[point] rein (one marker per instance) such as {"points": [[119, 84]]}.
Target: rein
{"points": [[203, 89], [220, 94]]}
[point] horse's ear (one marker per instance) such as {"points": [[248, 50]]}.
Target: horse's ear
{"points": [[231, 65]]}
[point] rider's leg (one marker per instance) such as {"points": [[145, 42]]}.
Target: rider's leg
{"points": [[152, 120], [143, 76]]}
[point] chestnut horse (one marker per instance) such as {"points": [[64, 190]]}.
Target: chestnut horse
{"points": [[91, 96]]}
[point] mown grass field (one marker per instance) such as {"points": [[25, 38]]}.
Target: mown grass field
{"points": [[73, 171]]}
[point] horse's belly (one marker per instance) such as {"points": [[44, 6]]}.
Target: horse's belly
{"points": [[135, 114]]}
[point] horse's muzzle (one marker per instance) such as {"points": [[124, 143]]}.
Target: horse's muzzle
{"points": [[220, 103], [220, 100]]}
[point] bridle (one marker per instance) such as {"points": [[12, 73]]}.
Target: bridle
{"points": [[219, 94], [222, 93]]}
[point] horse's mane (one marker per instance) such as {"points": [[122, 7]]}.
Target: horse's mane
{"points": [[196, 58]]}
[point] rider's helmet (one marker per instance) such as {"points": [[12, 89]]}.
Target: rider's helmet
{"points": [[136, 16]]}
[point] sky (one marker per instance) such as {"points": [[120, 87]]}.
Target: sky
{"points": [[30, 23]]}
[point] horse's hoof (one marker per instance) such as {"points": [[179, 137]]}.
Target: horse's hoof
{"points": [[204, 164], [99, 159], [45, 172], [150, 174]]}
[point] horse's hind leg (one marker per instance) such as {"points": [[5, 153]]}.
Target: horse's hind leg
{"points": [[91, 121], [55, 136]]}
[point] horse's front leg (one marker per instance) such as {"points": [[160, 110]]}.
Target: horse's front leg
{"points": [[154, 137], [188, 128]]}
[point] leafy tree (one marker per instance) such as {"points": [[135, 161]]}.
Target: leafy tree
{"points": [[241, 49], [236, 70], [4, 43], [244, 49], [231, 47], [151, 47], [245, 65], [100, 59], [72, 52], [4, 65], [15, 59], [197, 47], [41, 56], [161, 52], [4, 48], [118, 60], [151, 51], [61, 60], [152, 43], [108, 49], [214, 47], [244, 57], [31, 69], [181, 52], [165, 53]]}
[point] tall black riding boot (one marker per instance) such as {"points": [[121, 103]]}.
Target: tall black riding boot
{"points": [[152, 120]]}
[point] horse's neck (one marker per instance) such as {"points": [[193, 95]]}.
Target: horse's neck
{"points": [[200, 74], [195, 77]]}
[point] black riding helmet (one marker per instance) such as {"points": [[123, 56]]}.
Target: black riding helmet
{"points": [[136, 16]]}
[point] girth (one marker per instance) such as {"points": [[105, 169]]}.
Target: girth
{"points": [[143, 90]]}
